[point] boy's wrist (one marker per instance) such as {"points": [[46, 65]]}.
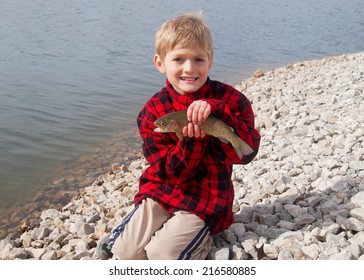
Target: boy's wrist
{"points": [[213, 106]]}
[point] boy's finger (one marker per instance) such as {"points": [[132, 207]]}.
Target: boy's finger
{"points": [[190, 110], [202, 133], [196, 131], [207, 113], [195, 116], [185, 131], [191, 129]]}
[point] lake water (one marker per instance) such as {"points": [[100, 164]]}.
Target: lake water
{"points": [[74, 74]]}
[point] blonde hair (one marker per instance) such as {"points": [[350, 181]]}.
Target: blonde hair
{"points": [[187, 30]]}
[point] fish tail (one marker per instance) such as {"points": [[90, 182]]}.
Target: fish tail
{"points": [[243, 149]]}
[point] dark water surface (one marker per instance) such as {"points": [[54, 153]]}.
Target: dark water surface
{"points": [[74, 74]]}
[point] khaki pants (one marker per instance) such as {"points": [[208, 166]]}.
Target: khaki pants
{"points": [[150, 232]]}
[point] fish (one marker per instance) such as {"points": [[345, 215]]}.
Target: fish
{"points": [[174, 122]]}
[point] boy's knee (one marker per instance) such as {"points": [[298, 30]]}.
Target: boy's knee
{"points": [[122, 252], [156, 251]]}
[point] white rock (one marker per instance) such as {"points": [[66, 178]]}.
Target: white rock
{"points": [[312, 251], [358, 199], [239, 254], [220, 254], [285, 255], [358, 213]]}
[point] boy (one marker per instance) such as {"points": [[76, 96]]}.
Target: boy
{"points": [[186, 194]]}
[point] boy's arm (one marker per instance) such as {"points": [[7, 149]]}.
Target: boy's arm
{"points": [[172, 159]]}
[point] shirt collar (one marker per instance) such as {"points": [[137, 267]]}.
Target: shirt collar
{"points": [[186, 100]]}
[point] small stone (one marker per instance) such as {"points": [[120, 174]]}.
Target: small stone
{"points": [[358, 199], [312, 251], [228, 236], [304, 219], [271, 251], [350, 223], [220, 254], [258, 73], [295, 210], [238, 253], [358, 213], [285, 255], [238, 229]]}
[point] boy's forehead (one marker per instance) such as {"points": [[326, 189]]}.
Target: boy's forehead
{"points": [[195, 51]]}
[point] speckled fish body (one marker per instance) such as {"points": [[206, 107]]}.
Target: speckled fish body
{"points": [[174, 122]]}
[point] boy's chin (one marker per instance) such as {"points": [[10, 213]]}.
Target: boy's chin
{"points": [[187, 92], [189, 89]]}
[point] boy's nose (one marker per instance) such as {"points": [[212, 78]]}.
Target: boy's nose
{"points": [[188, 66]]}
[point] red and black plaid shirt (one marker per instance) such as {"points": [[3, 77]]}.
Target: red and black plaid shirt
{"points": [[194, 174]]}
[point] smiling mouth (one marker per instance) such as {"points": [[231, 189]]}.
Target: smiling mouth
{"points": [[188, 79]]}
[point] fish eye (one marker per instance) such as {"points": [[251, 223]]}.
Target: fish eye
{"points": [[163, 123]]}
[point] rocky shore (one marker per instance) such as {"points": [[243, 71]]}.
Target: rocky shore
{"points": [[301, 198]]}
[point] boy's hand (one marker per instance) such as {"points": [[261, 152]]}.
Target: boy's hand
{"points": [[197, 113], [193, 130]]}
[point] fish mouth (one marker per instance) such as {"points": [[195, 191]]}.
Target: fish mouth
{"points": [[158, 129]]}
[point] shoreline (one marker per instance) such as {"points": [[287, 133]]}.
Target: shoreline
{"points": [[68, 178], [302, 197]]}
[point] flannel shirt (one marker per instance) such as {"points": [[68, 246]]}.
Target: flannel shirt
{"points": [[194, 174]]}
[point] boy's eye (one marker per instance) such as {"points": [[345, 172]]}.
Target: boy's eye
{"points": [[178, 59]]}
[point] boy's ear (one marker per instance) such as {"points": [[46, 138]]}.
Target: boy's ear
{"points": [[159, 63]]}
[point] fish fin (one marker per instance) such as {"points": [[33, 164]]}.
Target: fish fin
{"points": [[247, 150], [243, 149], [223, 140], [179, 135], [240, 154]]}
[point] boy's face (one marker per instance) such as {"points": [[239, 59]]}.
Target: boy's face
{"points": [[186, 69]]}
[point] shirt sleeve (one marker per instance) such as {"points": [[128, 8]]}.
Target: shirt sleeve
{"points": [[236, 111], [173, 160]]}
